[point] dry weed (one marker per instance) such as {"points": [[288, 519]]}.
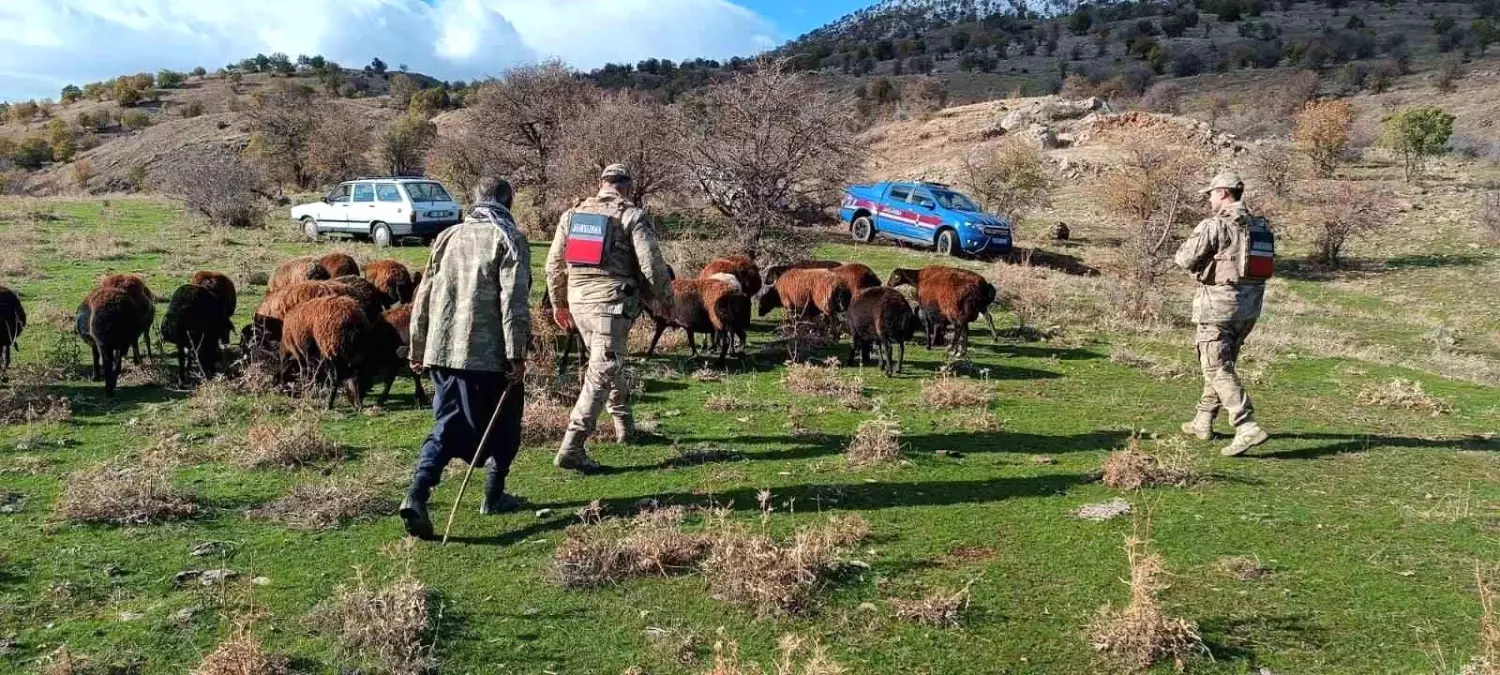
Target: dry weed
{"points": [[751, 569], [1141, 634], [241, 654], [287, 443], [1405, 394], [27, 401], [1243, 568], [1171, 463], [1156, 367], [91, 246], [796, 657], [544, 421], [948, 391], [324, 506], [876, 441], [124, 495], [826, 381], [1487, 661], [212, 403], [939, 609], [608, 551], [387, 629], [982, 420]]}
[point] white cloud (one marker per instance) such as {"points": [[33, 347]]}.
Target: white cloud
{"points": [[45, 44]]}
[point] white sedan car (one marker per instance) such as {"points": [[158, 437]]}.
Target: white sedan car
{"points": [[386, 210]]}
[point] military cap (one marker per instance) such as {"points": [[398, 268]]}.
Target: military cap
{"points": [[1228, 180], [615, 171]]}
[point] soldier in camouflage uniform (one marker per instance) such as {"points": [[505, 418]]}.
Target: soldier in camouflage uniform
{"points": [[470, 325], [1225, 308], [604, 266]]}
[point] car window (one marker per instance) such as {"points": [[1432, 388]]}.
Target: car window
{"points": [[921, 199], [954, 201], [387, 192], [427, 192], [364, 192], [340, 195], [900, 194]]}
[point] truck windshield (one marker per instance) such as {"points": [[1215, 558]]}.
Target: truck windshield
{"points": [[427, 192], [954, 201]]}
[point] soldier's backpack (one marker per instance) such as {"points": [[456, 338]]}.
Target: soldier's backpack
{"points": [[589, 237], [1257, 254]]}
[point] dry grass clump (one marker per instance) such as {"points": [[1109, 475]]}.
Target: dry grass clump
{"points": [[26, 399], [939, 609], [288, 443], [212, 403], [979, 420], [1170, 464], [311, 506], [1141, 634], [876, 441], [388, 630], [92, 246], [1243, 568], [1487, 661], [612, 550], [241, 654], [1405, 394], [1156, 367], [797, 657], [948, 391], [754, 570], [124, 495], [826, 381], [544, 420]]}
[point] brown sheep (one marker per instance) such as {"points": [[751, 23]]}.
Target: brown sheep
{"points": [[12, 322], [807, 292], [110, 321], [296, 270], [393, 279], [742, 268], [775, 271], [948, 295], [370, 297], [708, 306], [388, 352], [326, 337], [880, 317], [195, 321], [222, 286], [338, 265], [857, 275], [143, 300], [265, 326]]}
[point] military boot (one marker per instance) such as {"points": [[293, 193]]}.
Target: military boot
{"points": [[1202, 426], [1246, 436], [414, 514], [572, 456], [496, 501]]}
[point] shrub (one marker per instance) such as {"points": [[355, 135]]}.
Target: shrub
{"points": [[1011, 180], [1163, 97], [948, 391], [1489, 213], [825, 381], [1416, 133], [324, 506], [192, 109], [241, 654], [405, 144], [220, 187], [83, 170], [1322, 132], [1275, 167], [135, 120], [774, 577], [612, 550], [337, 149], [199, 71], [1297, 90], [32, 153], [288, 444], [1341, 211], [169, 79], [1450, 69]]}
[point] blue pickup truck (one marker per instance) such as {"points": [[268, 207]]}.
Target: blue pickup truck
{"points": [[931, 215]]}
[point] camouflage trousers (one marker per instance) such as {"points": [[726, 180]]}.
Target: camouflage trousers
{"points": [[604, 384], [1218, 350]]}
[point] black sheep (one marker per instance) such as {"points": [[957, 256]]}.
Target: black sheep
{"points": [[110, 321], [12, 322], [881, 317], [196, 323]]}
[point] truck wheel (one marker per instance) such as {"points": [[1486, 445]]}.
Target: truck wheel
{"points": [[863, 230], [947, 243], [381, 235], [310, 228]]}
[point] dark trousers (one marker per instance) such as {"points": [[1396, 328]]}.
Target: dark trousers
{"points": [[462, 403]]}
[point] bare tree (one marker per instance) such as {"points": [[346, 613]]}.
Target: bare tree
{"points": [[628, 128], [1152, 195], [1010, 180], [1340, 211], [283, 119], [768, 149], [1275, 167], [338, 148], [221, 187]]}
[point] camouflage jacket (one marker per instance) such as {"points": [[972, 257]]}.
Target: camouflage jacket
{"points": [[634, 273], [1209, 255], [471, 311]]}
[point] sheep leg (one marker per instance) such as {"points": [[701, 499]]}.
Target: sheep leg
{"points": [[416, 381], [692, 344], [385, 393], [724, 342], [98, 372], [660, 328], [901, 362], [181, 365], [854, 351], [562, 361], [112, 360], [135, 351], [356, 393], [994, 335]]}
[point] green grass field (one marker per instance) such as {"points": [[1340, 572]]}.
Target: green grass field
{"points": [[1369, 521]]}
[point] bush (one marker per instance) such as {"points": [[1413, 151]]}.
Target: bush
{"points": [[135, 120], [220, 187], [1011, 180], [83, 170], [32, 153], [1322, 132], [1416, 133], [1450, 69], [405, 144], [169, 79], [192, 109], [1151, 195], [1163, 97], [1342, 211], [200, 71], [126, 94], [1275, 167], [1489, 214]]}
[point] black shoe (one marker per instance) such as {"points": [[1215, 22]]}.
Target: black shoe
{"points": [[414, 518], [500, 503]]}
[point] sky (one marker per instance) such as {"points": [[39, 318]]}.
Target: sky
{"points": [[45, 44]]}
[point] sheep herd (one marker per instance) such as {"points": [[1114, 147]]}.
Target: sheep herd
{"points": [[327, 320]]}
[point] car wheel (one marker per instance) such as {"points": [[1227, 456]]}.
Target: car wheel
{"points": [[863, 230], [947, 243], [310, 228], [381, 235]]}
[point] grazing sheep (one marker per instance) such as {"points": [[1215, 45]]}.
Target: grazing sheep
{"points": [[807, 292], [371, 299], [143, 300], [12, 322], [740, 267], [775, 271], [296, 270], [880, 317], [392, 278], [265, 326], [195, 322], [572, 340], [708, 306], [387, 350], [222, 286], [857, 275], [338, 265], [110, 321], [948, 295], [325, 337]]}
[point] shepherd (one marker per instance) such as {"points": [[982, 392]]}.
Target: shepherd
{"points": [[470, 325]]}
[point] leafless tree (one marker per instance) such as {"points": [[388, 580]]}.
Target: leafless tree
{"points": [[1275, 166], [221, 187], [627, 128], [338, 147], [768, 149], [1340, 211], [284, 120], [1011, 180], [1152, 194]]}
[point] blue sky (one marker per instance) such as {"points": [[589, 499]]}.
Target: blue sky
{"points": [[45, 44]]}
